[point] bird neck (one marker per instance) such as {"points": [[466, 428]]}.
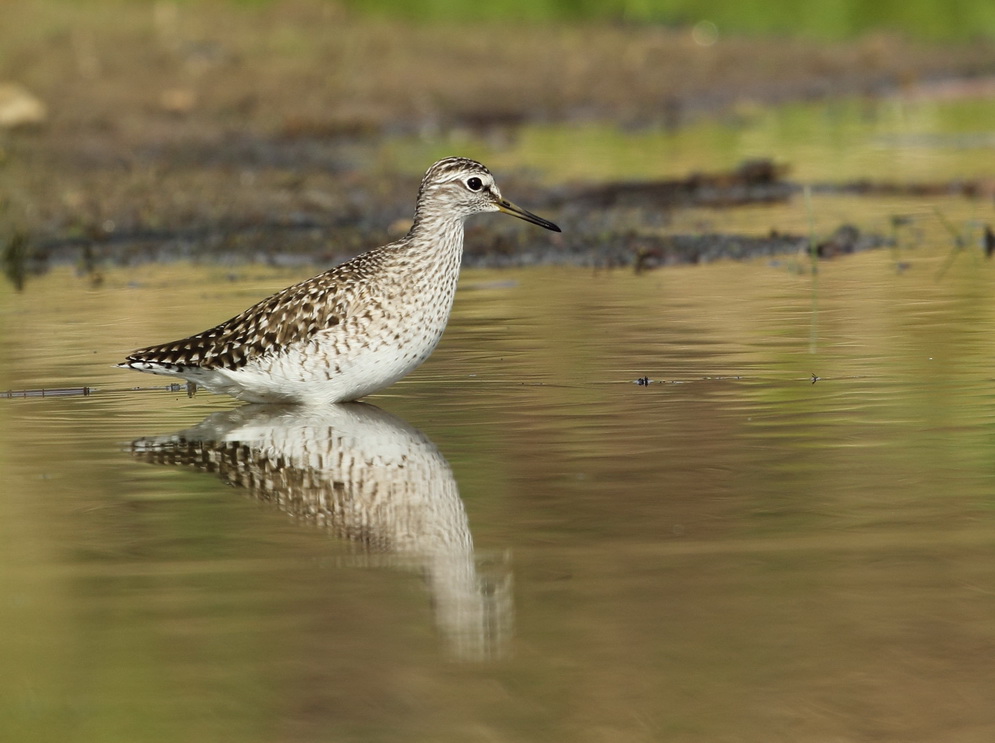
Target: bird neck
{"points": [[437, 236]]}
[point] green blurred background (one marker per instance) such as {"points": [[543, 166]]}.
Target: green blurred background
{"points": [[827, 19]]}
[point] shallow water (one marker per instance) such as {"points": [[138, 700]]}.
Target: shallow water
{"points": [[731, 552], [932, 136], [928, 133]]}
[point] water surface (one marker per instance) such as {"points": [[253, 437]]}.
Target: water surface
{"points": [[518, 542]]}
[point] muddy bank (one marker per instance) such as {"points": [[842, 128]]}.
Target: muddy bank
{"points": [[219, 132], [608, 224]]}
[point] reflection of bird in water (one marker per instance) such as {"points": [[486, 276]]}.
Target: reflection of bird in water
{"points": [[356, 328], [367, 477]]}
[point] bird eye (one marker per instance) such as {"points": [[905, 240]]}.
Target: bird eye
{"points": [[474, 183]]}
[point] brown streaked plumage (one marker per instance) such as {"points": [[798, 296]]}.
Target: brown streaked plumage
{"points": [[356, 328]]}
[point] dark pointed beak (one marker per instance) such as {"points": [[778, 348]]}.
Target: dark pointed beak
{"points": [[516, 211]]}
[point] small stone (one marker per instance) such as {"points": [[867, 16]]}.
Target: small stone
{"points": [[178, 101], [19, 108]]}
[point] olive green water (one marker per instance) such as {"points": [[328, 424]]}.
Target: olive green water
{"points": [[729, 553], [519, 542]]}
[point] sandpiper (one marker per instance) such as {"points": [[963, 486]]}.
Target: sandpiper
{"points": [[355, 328]]}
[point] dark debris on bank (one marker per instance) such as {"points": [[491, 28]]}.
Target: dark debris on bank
{"points": [[607, 225]]}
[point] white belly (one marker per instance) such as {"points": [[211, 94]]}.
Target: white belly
{"points": [[325, 370]]}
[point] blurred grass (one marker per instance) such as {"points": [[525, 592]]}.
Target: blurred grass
{"points": [[828, 19]]}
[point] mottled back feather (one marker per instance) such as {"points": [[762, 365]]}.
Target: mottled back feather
{"points": [[293, 315]]}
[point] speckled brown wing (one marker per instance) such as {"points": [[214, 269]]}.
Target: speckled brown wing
{"points": [[289, 317]]}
